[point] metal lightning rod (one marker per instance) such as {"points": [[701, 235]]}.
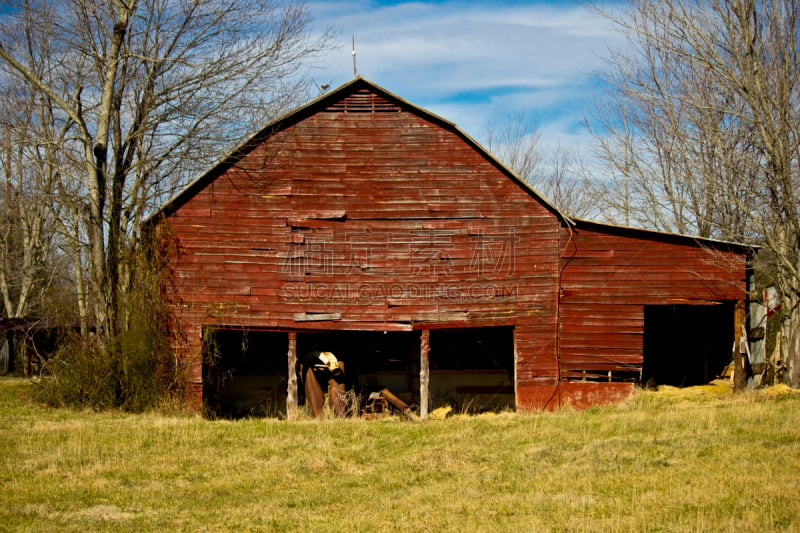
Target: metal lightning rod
{"points": [[355, 70]]}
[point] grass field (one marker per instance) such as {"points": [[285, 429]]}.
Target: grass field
{"points": [[691, 460]]}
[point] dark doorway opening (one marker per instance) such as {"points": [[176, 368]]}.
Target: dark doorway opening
{"points": [[472, 369], [373, 360], [245, 373], [686, 345]]}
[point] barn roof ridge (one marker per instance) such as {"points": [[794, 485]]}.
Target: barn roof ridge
{"points": [[299, 113]]}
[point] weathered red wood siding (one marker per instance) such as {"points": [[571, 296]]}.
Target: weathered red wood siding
{"points": [[366, 214], [608, 275], [363, 212]]}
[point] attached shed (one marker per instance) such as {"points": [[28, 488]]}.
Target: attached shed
{"points": [[364, 225], [646, 307]]}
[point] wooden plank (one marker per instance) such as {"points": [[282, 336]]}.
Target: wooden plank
{"points": [[589, 394], [316, 317]]}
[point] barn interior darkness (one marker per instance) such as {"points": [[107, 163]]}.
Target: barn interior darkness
{"points": [[686, 345], [471, 369]]}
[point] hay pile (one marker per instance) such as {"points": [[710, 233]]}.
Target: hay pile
{"points": [[722, 386], [718, 386], [778, 390], [440, 413]]}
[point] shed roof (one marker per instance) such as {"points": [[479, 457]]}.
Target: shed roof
{"points": [[664, 236]]}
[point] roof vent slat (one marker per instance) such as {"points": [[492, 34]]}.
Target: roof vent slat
{"points": [[363, 102]]}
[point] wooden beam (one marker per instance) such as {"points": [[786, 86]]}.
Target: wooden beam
{"points": [[739, 333], [516, 368], [424, 372], [291, 390]]}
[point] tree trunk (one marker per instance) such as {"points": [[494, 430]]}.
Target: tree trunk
{"points": [[790, 340], [105, 260], [80, 287]]}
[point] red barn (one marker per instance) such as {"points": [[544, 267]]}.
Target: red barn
{"points": [[364, 225]]}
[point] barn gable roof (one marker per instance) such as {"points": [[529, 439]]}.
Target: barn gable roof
{"points": [[334, 99], [318, 104]]}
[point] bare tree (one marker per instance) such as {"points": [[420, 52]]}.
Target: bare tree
{"points": [[146, 93], [558, 174], [702, 132], [29, 245]]}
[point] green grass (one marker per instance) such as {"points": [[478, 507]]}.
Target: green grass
{"points": [[659, 462]]}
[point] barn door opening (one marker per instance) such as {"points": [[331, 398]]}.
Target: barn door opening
{"points": [[373, 360], [245, 373], [686, 345], [472, 369]]}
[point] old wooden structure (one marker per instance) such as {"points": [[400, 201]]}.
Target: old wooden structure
{"points": [[364, 225]]}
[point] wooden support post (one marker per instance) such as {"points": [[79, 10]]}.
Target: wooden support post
{"points": [[291, 390], [739, 367], [424, 372], [7, 353], [516, 371]]}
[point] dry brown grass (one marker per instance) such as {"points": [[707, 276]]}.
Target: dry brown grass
{"points": [[690, 460]]}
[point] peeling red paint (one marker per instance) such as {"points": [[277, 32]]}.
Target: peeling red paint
{"points": [[364, 212]]}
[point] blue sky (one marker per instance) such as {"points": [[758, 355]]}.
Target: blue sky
{"points": [[474, 62]]}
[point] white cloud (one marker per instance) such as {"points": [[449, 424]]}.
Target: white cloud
{"points": [[473, 61]]}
